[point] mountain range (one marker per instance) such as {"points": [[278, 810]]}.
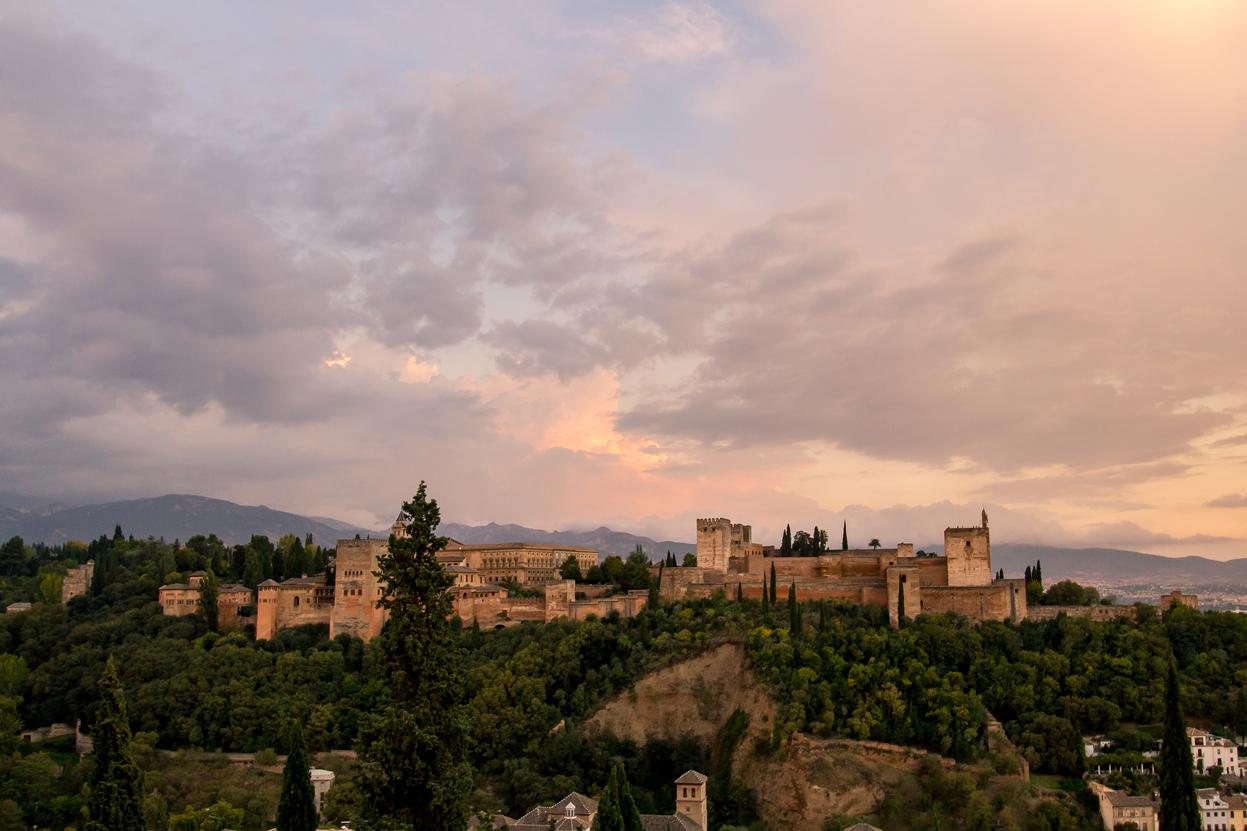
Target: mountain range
{"points": [[180, 516]]}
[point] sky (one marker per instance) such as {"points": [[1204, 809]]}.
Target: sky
{"points": [[632, 263]]}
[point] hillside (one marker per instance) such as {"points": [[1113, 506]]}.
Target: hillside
{"points": [[1091, 564], [174, 516]]}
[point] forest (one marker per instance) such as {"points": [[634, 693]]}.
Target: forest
{"points": [[834, 669]]}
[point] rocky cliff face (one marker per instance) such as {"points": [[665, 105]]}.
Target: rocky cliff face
{"points": [[799, 787]]}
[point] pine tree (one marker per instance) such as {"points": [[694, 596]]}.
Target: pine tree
{"points": [[773, 587], [794, 612], [296, 810], [115, 802], [414, 763], [209, 611], [1179, 807], [844, 538]]}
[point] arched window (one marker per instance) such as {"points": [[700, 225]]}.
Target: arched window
{"points": [[296, 601]]}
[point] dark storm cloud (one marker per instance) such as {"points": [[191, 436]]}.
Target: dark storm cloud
{"points": [[150, 271]]}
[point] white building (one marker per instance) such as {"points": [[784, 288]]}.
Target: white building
{"points": [[1214, 812], [1209, 751]]}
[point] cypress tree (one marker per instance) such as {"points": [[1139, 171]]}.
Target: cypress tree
{"points": [[627, 805], [1039, 573], [822, 616], [794, 614], [655, 597], [610, 815], [208, 608], [414, 762], [785, 545], [900, 604], [766, 608], [773, 588], [1179, 807], [818, 536], [115, 802], [740, 594], [844, 537], [296, 810]]}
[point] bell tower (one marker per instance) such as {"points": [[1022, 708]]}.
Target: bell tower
{"points": [[690, 798]]}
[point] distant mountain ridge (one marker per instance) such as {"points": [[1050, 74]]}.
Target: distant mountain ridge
{"points": [[180, 516], [605, 540], [173, 516]]}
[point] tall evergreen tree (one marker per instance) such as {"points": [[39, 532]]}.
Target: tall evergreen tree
{"points": [[296, 810], [766, 599], [1240, 714], [209, 592], [794, 611], [773, 588], [740, 593], [115, 802], [117, 535], [844, 537], [627, 805], [1179, 807], [900, 604], [655, 586], [610, 813], [817, 539], [822, 616], [253, 570], [785, 543], [415, 767]]}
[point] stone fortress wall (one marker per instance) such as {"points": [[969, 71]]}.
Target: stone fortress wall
{"points": [[958, 581], [77, 581]]}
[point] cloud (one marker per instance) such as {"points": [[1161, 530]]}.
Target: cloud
{"points": [[1230, 500], [674, 33]]}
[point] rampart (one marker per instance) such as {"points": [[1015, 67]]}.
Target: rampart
{"points": [[1102, 613]]}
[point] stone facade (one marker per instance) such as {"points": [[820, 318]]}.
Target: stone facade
{"points": [[296, 602], [1177, 598], [1100, 613], [233, 601], [77, 581], [350, 605], [1117, 808], [719, 540], [531, 564], [959, 581]]}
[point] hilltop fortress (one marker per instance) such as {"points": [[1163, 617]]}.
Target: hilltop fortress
{"points": [[729, 562], [958, 581], [349, 605]]}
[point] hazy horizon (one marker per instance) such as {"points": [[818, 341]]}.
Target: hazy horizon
{"points": [[632, 263]]}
